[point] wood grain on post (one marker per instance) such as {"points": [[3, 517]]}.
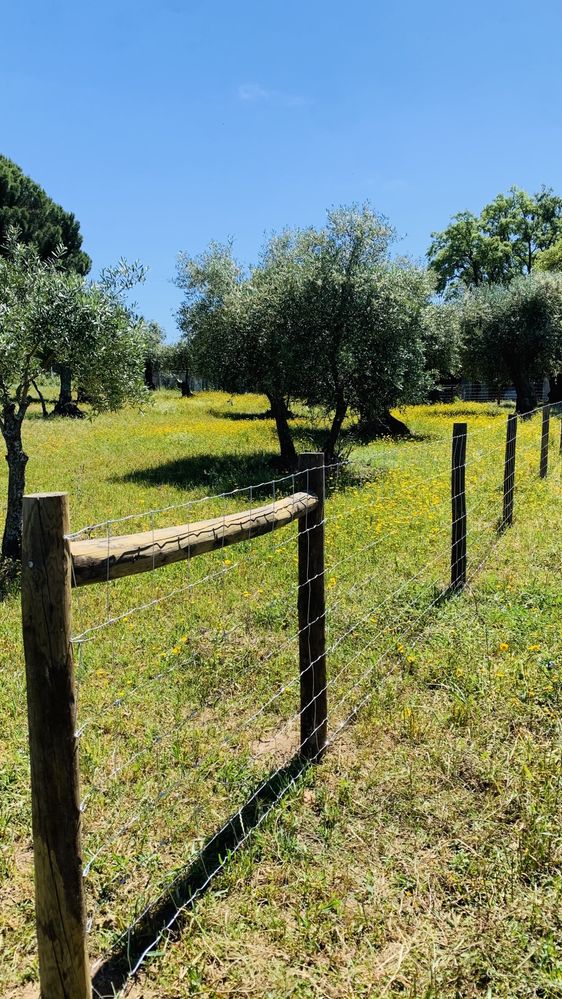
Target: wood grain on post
{"points": [[312, 613], [98, 559], [509, 470], [458, 507], [51, 704], [545, 435]]}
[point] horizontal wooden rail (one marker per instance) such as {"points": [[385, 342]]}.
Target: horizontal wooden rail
{"points": [[99, 559]]}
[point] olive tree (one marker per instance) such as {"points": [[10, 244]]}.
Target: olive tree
{"points": [[175, 359], [46, 312], [41, 222], [239, 328], [512, 333], [389, 354], [155, 348], [324, 317]]}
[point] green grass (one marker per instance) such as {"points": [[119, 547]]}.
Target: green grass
{"points": [[422, 857]]}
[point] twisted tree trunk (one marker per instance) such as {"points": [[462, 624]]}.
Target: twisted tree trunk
{"points": [[555, 382], [335, 430], [17, 460], [383, 425], [149, 375], [526, 396], [44, 409], [65, 406], [279, 413]]}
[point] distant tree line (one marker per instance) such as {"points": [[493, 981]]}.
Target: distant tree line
{"points": [[503, 268], [52, 318], [327, 318]]}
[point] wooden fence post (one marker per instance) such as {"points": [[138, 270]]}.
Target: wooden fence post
{"points": [[312, 613], [509, 470], [545, 434], [51, 704], [458, 507]]}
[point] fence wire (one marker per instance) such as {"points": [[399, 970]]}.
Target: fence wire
{"points": [[188, 677]]}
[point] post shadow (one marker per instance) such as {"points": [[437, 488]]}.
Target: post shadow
{"points": [[195, 880]]}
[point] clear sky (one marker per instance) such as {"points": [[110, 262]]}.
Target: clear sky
{"points": [[163, 124]]}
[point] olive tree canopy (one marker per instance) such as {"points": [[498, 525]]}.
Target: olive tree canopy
{"points": [[47, 312], [324, 317], [512, 333]]}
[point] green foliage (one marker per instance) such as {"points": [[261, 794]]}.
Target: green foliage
{"points": [[47, 313], [40, 222], [175, 357], [551, 258], [324, 317], [441, 322], [463, 253], [513, 333], [155, 345], [503, 242]]}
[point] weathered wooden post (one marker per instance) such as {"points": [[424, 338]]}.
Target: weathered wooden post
{"points": [[509, 471], [545, 435], [312, 613], [51, 704], [458, 507]]}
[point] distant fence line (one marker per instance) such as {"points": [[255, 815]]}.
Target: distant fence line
{"points": [[55, 561], [472, 391]]}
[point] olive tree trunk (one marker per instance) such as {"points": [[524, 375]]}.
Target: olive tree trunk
{"points": [[17, 460], [65, 393], [279, 413], [383, 424], [149, 379], [334, 431], [41, 397], [65, 406], [555, 382], [526, 396]]}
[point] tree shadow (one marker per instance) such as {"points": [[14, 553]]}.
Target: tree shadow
{"points": [[218, 473], [223, 414], [195, 880]]}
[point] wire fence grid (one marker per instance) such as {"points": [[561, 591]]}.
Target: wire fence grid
{"points": [[189, 695]]}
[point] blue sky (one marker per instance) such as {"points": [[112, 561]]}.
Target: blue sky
{"points": [[163, 124]]}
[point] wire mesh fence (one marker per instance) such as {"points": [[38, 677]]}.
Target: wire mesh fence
{"points": [[192, 681]]}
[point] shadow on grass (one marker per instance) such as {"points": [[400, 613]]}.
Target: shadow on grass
{"points": [[225, 414], [218, 473], [111, 976]]}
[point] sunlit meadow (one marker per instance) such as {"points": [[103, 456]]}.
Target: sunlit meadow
{"points": [[422, 857]]}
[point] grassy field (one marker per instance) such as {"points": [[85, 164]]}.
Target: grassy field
{"points": [[422, 858]]}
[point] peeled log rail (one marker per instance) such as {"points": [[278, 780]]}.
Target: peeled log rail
{"points": [[99, 559]]}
